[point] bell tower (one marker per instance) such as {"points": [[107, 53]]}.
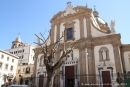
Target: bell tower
{"points": [[17, 42]]}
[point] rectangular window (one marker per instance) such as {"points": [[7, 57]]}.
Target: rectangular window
{"points": [[18, 71], [12, 60], [69, 33], [11, 68], [7, 58], [0, 65], [6, 66], [28, 70], [2, 56], [22, 56]]}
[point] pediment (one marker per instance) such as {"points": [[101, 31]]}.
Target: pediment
{"points": [[75, 10], [58, 15]]}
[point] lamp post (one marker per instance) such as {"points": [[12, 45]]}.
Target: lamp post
{"points": [[88, 66]]}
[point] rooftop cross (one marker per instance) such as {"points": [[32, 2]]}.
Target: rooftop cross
{"points": [[94, 8]]}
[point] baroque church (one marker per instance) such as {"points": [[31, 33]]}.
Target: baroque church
{"points": [[99, 50]]}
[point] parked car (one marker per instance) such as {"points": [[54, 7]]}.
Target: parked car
{"points": [[18, 86]]}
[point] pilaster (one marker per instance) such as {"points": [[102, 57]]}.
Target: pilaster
{"points": [[58, 30], [117, 57], [88, 25], [91, 65], [82, 64], [52, 33], [81, 23]]}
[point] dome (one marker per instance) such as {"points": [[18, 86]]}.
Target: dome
{"points": [[18, 39], [99, 20]]}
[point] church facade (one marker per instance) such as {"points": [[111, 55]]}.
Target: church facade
{"points": [[98, 52]]}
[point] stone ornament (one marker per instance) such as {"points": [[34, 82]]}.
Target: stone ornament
{"points": [[112, 25], [69, 7]]}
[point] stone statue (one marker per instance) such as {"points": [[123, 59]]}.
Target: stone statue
{"points": [[112, 25], [104, 57]]}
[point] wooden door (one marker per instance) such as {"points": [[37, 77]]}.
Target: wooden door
{"points": [[69, 76], [106, 79], [41, 80]]}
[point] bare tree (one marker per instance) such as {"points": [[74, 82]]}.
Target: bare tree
{"points": [[49, 55]]}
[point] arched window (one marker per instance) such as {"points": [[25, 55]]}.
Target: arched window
{"points": [[14, 46], [19, 45], [104, 54]]}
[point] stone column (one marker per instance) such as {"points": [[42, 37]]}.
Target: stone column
{"points": [[88, 25], [91, 66], [117, 57], [82, 65], [81, 23]]}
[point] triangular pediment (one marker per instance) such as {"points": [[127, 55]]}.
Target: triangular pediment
{"points": [[75, 10], [57, 15]]}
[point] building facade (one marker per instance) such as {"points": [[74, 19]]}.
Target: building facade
{"points": [[26, 54], [25, 73], [98, 51], [8, 66], [24, 51]]}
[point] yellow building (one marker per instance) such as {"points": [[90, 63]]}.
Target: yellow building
{"points": [[24, 73]]}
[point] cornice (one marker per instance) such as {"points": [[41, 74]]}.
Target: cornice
{"points": [[92, 42], [125, 48]]}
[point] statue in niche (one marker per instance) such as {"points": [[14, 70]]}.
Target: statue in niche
{"points": [[104, 56]]}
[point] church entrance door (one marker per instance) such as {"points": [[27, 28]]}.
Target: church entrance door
{"points": [[69, 76], [106, 79], [41, 80]]}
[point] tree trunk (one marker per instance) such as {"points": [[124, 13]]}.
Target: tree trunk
{"points": [[50, 78]]}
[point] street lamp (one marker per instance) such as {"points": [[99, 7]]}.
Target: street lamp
{"points": [[88, 66]]}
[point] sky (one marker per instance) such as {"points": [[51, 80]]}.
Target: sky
{"points": [[29, 17]]}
